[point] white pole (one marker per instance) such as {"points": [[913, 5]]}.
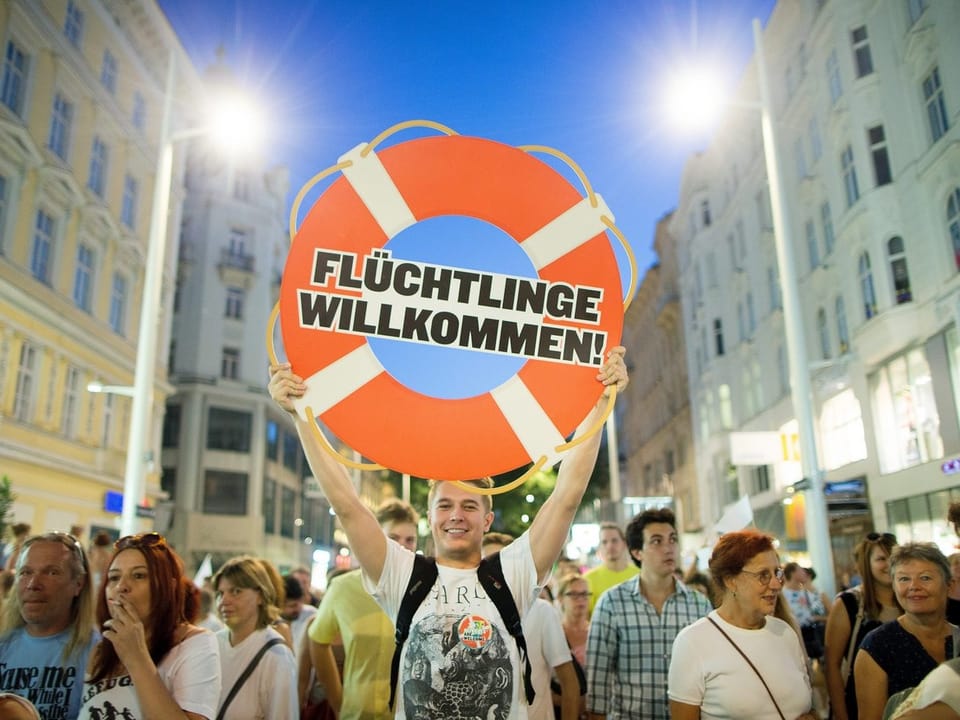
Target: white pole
{"points": [[818, 535], [613, 464], [134, 478]]}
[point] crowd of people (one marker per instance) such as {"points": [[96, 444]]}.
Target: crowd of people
{"points": [[491, 627]]}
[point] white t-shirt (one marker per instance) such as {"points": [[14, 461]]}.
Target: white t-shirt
{"points": [[543, 631], [271, 690], [459, 660], [707, 671], [190, 671], [299, 626], [940, 685]]}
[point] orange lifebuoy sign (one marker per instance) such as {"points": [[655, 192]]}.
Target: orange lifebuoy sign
{"points": [[352, 288]]}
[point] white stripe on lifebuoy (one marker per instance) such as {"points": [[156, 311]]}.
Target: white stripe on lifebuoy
{"points": [[338, 380], [532, 426], [566, 232], [379, 193]]}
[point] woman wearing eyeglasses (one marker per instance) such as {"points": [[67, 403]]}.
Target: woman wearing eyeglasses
{"points": [[739, 662], [899, 654], [575, 614], [874, 603], [152, 659]]}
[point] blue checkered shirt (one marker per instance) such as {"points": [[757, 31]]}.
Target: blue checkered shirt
{"points": [[629, 648]]}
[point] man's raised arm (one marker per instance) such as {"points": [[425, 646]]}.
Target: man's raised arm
{"points": [[366, 538], [549, 529]]}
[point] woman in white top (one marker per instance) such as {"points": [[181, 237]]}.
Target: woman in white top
{"points": [[710, 675], [152, 661], [246, 599]]}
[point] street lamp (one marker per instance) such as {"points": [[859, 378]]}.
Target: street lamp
{"points": [[143, 379], [818, 538], [96, 387]]}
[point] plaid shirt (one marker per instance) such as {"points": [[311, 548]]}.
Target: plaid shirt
{"points": [[629, 649]]}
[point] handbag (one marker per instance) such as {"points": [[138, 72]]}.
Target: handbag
{"points": [[846, 665], [248, 671], [750, 663]]}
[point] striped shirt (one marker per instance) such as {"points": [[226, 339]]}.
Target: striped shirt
{"points": [[629, 648]]}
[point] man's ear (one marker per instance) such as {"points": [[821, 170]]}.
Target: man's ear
{"points": [[637, 555], [487, 521]]}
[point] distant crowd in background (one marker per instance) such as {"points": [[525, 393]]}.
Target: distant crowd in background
{"points": [[103, 632]]}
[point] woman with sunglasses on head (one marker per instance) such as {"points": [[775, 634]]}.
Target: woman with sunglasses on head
{"points": [[259, 670], [873, 601], [740, 662], [153, 663], [899, 654]]}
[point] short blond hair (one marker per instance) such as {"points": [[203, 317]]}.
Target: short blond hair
{"points": [[484, 482]]}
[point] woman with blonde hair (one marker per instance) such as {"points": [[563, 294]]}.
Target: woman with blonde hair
{"points": [[152, 661], [259, 671], [855, 613]]}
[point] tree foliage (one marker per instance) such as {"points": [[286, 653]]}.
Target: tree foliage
{"points": [[7, 496]]}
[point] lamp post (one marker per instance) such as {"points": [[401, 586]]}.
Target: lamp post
{"points": [[817, 530], [143, 380]]}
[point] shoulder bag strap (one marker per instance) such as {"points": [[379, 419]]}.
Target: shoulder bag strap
{"points": [[422, 579], [852, 646], [750, 663], [246, 674]]}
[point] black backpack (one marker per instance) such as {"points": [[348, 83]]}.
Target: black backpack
{"points": [[490, 574]]}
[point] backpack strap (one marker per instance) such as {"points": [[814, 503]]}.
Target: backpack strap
{"points": [[244, 676], [494, 584], [422, 578]]}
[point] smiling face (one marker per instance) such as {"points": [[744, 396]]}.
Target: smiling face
{"points": [[128, 582], [46, 588], [880, 565], [458, 519], [920, 587]]}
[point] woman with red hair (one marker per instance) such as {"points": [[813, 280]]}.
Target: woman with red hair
{"points": [[739, 662], [151, 656]]}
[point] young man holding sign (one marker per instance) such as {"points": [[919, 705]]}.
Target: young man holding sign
{"points": [[459, 659]]}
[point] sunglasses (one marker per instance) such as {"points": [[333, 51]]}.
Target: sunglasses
{"points": [[137, 541], [65, 539], [877, 537]]}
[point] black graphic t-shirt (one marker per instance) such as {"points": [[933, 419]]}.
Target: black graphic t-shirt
{"points": [[459, 661]]}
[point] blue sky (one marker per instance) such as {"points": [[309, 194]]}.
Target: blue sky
{"points": [[583, 76]]}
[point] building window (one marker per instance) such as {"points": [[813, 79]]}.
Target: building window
{"points": [[98, 167], [783, 374], [83, 277], [234, 303], [761, 478], [288, 511], [936, 105], [128, 208], [813, 245], [862, 61], [273, 440], [4, 203], [898, 270], [953, 225], [906, 420], [41, 254], [823, 331], [14, 78], [800, 158], [915, 9], [849, 176], [108, 72], [228, 430], [230, 363], [718, 335], [61, 121], [224, 493], [291, 451], [826, 221], [118, 304], [866, 287], [833, 77], [171, 427], [773, 288], [842, 331], [841, 431], [881, 158], [705, 213], [139, 115], [107, 420], [269, 506], [24, 394], [816, 142], [241, 187], [741, 322], [762, 202], [73, 25], [71, 403], [751, 315]]}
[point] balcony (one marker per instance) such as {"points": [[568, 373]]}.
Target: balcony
{"points": [[236, 268]]}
